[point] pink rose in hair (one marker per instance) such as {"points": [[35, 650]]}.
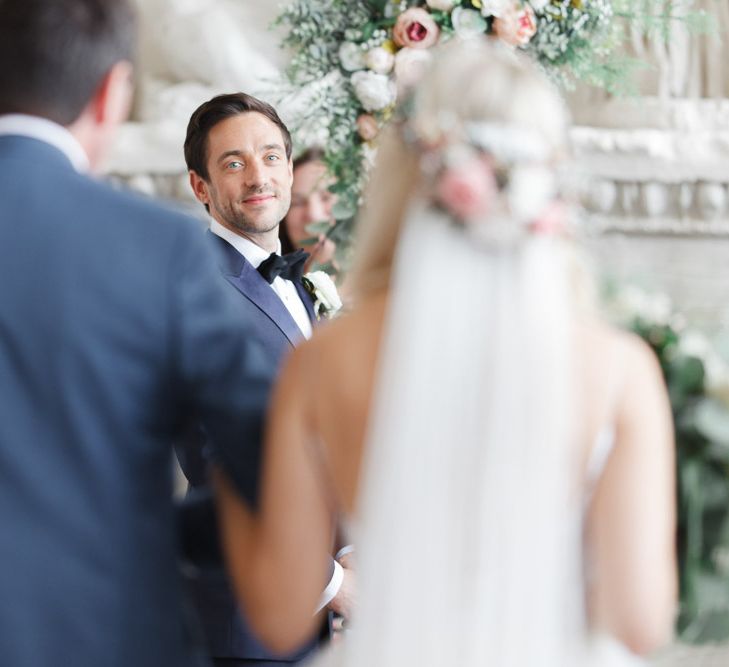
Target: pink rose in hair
{"points": [[517, 25], [415, 28], [552, 220], [468, 190]]}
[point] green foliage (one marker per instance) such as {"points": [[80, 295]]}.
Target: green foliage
{"points": [[702, 440]]}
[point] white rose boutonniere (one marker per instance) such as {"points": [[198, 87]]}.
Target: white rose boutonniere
{"points": [[324, 294]]}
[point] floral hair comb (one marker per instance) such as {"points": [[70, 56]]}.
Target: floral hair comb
{"points": [[494, 179]]}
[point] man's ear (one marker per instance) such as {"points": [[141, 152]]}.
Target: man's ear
{"points": [[199, 188], [291, 172], [112, 100]]}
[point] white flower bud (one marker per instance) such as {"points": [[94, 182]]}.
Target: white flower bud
{"points": [[351, 57], [380, 60], [374, 91]]}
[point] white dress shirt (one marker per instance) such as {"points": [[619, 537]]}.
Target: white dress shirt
{"points": [[48, 132], [285, 289]]}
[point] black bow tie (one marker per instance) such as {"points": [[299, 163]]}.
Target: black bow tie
{"points": [[289, 266]]}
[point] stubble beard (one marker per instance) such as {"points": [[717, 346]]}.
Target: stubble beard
{"points": [[239, 222]]}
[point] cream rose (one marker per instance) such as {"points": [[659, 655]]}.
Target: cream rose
{"points": [[374, 91], [415, 28], [380, 60]]}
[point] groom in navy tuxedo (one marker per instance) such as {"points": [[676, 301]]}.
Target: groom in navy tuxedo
{"points": [[238, 152], [114, 328]]}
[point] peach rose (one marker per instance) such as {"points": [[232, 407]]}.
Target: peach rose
{"points": [[415, 28], [367, 127], [468, 190], [516, 26]]}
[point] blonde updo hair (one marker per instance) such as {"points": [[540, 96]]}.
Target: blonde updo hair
{"points": [[475, 81]]}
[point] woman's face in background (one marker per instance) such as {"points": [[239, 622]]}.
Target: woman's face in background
{"points": [[311, 202]]}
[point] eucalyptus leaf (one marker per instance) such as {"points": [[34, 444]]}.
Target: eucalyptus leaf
{"points": [[318, 228], [711, 418], [686, 374], [343, 209]]}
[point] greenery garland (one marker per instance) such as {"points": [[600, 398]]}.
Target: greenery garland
{"points": [[349, 56]]}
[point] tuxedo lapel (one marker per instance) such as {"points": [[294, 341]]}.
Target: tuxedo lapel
{"points": [[239, 272], [308, 301]]}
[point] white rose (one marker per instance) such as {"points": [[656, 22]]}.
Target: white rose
{"points": [[538, 4], [325, 293], [442, 5], [351, 57], [410, 64], [497, 7], [374, 91], [467, 23], [380, 60], [531, 188]]}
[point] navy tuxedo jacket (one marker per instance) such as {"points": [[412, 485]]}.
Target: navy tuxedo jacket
{"points": [[272, 323], [226, 631], [114, 326]]}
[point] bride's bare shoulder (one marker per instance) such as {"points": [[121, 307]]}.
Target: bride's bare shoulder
{"points": [[606, 346], [349, 340]]}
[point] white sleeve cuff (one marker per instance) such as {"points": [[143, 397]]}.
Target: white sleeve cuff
{"points": [[332, 588], [344, 551]]}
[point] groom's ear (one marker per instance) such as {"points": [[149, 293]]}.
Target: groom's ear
{"points": [[200, 189]]}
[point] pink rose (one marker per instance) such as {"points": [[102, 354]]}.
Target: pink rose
{"points": [[367, 127], [552, 220], [415, 28], [468, 190], [516, 26]]}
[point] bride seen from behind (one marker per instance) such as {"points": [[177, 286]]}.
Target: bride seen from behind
{"points": [[502, 458]]}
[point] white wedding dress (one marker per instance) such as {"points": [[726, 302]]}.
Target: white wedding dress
{"points": [[469, 526]]}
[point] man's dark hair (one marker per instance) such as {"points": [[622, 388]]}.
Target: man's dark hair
{"points": [[212, 112], [54, 53]]}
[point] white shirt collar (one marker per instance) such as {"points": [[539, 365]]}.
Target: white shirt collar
{"points": [[48, 132], [252, 252]]}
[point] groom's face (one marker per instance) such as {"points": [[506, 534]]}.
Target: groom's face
{"points": [[249, 176]]}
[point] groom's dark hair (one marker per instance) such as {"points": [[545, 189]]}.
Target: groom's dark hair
{"points": [[54, 53], [216, 110]]}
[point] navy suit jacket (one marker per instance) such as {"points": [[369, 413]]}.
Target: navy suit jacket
{"points": [[227, 632], [114, 326]]}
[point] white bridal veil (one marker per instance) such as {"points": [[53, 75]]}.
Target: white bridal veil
{"points": [[470, 514], [469, 523]]}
